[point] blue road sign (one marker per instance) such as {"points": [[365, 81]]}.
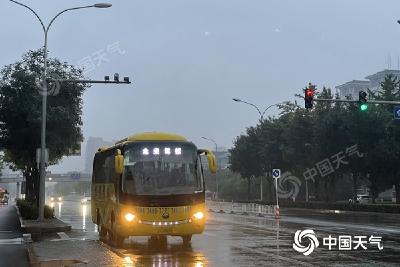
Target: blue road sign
{"points": [[397, 113], [75, 175], [276, 173]]}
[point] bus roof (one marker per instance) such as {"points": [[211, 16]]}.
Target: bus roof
{"points": [[153, 136], [148, 136]]}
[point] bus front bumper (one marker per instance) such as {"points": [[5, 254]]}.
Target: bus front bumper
{"points": [[149, 228]]}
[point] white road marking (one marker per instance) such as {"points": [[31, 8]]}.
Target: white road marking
{"points": [[63, 236], [11, 241]]}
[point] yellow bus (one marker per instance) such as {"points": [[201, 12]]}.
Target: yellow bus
{"points": [[149, 184]]}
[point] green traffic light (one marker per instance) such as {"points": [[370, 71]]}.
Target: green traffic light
{"points": [[363, 107]]}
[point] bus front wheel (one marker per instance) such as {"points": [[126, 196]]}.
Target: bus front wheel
{"points": [[186, 239], [102, 231], [114, 238]]}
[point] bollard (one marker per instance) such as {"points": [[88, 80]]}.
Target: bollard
{"points": [[260, 211], [277, 212]]}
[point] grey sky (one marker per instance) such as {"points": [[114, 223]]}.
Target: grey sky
{"points": [[187, 59]]}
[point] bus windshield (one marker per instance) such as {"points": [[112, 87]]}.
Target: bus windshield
{"points": [[161, 169]]}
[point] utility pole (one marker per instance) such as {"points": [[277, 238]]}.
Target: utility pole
{"points": [[44, 92]]}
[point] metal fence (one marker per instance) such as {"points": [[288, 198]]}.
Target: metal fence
{"points": [[240, 208]]}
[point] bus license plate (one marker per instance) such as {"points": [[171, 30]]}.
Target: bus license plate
{"points": [[165, 230]]}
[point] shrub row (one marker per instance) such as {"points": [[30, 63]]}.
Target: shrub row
{"points": [[385, 208], [29, 211]]}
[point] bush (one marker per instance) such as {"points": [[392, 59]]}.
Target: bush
{"points": [[385, 208], [29, 211]]}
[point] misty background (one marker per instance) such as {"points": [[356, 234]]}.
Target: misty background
{"points": [[188, 59]]}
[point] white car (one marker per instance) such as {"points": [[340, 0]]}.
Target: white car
{"points": [[86, 200], [55, 198], [363, 199]]}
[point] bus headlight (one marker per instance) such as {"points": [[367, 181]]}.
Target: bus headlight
{"points": [[129, 217], [52, 199], [59, 198], [198, 215]]}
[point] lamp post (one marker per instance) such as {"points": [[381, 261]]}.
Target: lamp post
{"points": [[44, 99], [261, 120], [216, 151], [258, 110]]}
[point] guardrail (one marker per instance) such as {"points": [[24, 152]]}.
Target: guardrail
{"points": [[240, 208]]}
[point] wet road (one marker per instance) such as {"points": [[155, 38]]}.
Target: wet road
{"points": [[239, 240], [12, 248]]}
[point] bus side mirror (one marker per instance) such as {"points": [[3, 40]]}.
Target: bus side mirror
{"points": [[119, 162], [212, 162]]}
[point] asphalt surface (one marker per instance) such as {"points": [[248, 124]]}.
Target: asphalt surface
{"points": [[12, 249], [240, 240]]}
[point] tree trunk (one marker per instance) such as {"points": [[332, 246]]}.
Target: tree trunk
{"points": [[374, 191], [326, 186], [248, 188], [332, 188], [316, 190], [355, 178], [397, 188], [32, 185]]}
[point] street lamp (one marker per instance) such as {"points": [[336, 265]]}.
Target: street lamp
{"points": [[258, 110], [44, 99], [216, 150], [261, 120]]}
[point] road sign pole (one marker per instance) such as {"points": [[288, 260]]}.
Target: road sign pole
{"points": [[276, 174], [276, 192]]}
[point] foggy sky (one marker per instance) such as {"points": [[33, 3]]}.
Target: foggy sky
{"points": [[188, 59]]}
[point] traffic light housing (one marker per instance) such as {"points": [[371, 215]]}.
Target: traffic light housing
{"points": [[362, 100], [309, 96]]}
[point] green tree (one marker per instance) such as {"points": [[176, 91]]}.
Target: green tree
{"points": [[20, 114], [245, 157]]}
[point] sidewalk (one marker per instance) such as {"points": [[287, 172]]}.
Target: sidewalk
{"points": [[73, 252], [36, 228]]}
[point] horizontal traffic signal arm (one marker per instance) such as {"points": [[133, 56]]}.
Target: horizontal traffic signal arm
{"points": [[91, 81], [356, 101]]}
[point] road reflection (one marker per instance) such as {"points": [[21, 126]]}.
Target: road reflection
{"points": [[84, 211], [173, 253], [137, 251]]}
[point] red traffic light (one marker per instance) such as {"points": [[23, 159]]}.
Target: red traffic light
{"points": [[309, 92]]}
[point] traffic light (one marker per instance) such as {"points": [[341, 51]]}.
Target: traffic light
{"points": [[362, 100], [309, 96]]}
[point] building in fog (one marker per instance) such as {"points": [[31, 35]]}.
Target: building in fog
{"points": [[352, 88], [92, 145], [372, 82]]}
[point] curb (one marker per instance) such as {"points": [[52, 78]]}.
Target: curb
{"points": [[31, 255], [27, 241], [21, 222]]}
